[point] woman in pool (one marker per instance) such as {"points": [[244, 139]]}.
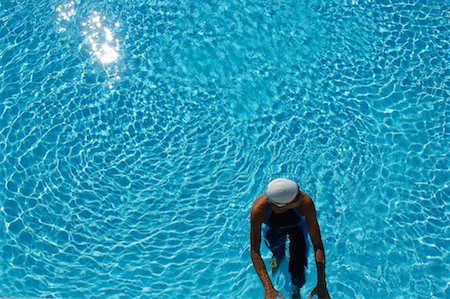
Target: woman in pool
{"points": [[281, 209]]}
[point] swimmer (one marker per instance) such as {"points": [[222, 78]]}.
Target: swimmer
{"points": [[281, 209]]}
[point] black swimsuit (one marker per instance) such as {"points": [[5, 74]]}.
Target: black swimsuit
{"points": [[289, 219], [293, 224]]}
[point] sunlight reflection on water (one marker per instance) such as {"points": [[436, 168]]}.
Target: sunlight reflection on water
{"points": [[65, 12], [103, 44]]}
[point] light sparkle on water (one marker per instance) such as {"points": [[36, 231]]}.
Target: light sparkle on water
{"points": [[101, 39]]}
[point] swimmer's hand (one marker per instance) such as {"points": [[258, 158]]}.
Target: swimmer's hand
{"points": [[321, 291], [272, 294]]}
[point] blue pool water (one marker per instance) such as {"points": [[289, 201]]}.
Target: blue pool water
{"points": [[135, 135]]}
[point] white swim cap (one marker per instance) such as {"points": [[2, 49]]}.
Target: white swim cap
{"points": [[282, 191]]}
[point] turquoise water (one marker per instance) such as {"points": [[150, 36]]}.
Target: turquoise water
{"points": [[135, 135]]}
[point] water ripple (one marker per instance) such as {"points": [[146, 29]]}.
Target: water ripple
{"points": [[129, 171]]}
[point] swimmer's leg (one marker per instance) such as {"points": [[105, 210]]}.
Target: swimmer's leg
{"points": [[276, 241], [298, 259]]}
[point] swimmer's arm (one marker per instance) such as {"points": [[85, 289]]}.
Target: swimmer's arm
{"points": [[319, 252], [255, 244], [257, 217]]}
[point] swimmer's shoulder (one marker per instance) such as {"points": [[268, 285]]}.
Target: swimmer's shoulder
{"points": [[258, 212], [306, 204]]}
